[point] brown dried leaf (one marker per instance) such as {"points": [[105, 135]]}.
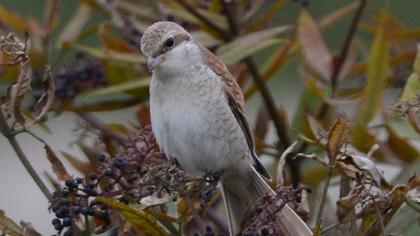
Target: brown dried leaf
{"points": [[8, 226], [12, 101], [84, 167], [337, 137], [338, 14], [346, 204], [281, 175], [315, 51], [371, 224], [355, 165], [317, 130], [57, 165], [52, 14], [45, 102]]}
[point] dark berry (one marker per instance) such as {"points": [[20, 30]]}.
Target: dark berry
{"points": [[67, 222], [79, 180], [108, 172], [101, 158], [85, 210], [58, 227], [264, 232], [119, 163], [123, 199], [258, 209], [56, 221], [76, 209], [63, 202]]}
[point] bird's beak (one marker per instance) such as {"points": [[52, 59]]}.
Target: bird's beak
{"points": [[152, 62]]}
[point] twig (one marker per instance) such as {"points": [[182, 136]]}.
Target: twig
{"points": [[11, 137], [324, 196], [103, 128], [340, 61], [204, 19], [346, 47], [217, 220]]}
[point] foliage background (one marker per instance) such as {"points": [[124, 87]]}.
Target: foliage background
{"points": [[284, 85]]}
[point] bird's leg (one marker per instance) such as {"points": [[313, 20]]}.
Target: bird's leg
{"points": [[212, 179]]}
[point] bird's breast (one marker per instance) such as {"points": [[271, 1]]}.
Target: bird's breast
{"points": [[193, 123]]}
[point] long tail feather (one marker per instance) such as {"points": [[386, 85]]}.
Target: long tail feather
{"points": [[238, 195]]}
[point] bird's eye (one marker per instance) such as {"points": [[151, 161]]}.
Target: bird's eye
{"points": [[170, 42]]}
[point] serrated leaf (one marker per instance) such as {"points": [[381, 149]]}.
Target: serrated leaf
{"points": [[75, 26], [317, 56], [337, 137], [112, 55], [56, 164], [44, 103], [412, 88], [249, 44], [141, 221]]}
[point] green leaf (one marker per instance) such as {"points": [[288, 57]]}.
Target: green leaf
{"points": [[249, 44], [134, 84], [377, 72], [141, 221], [412, 88], [73, 29], [107, 54]]}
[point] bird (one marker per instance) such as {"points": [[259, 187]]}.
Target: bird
{"points": [[197, 112]]}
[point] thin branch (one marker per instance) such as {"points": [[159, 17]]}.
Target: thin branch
{"points": [[212, 215], [204, 19], [10, 136], [103, 128], [324, 196], [346, 47]]}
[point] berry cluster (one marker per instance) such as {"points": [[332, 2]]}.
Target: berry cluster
{"points": [[138, 171], [262, 217], [74, 201], [85, 74]]}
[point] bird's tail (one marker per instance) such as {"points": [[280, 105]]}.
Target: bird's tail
{"points": [[240, 192]]}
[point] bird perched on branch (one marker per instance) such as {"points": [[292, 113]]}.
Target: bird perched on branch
{"points": [[197, 116]]}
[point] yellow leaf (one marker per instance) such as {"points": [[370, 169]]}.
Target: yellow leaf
{"points": [[337, 137], [11, 20], [412, 88], [376, 78], [141, 222]]}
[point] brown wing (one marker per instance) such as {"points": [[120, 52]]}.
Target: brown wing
{"points": [[236, 102]]}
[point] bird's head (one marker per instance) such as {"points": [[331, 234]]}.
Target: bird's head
{"points": [[161, 42]]}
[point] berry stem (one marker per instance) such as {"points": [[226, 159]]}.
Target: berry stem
{"points": [[11, 137]]}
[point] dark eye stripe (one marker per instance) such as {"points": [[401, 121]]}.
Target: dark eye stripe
{"points": [[179, 38]]}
